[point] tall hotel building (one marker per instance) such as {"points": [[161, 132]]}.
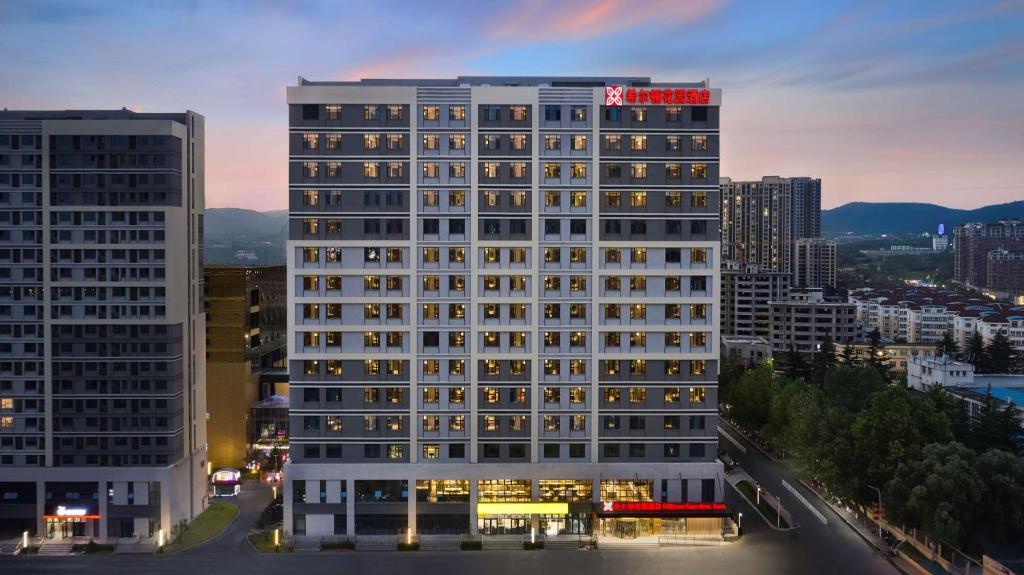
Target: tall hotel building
{"points": [[102, 377], [503, 306]]}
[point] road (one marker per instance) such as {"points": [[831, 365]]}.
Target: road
{"points": [[761, 551], [837, 540]]}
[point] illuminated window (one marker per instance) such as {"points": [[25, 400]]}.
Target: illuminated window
{"points": [[552, 283], [456, 367], [395, 368], [697, 395], [579, 170], [457, 255], [395, 112], [371, 311], [517, 255], [638, 255], [371, 367], [612, 339], [698, 255], [518, 143], [517, 283], [673, 311], [370, 421], [611, 366], [310, 198], [578, 255], [371, 141], [578, 423], [492, 367], [552, 170], [310, 141], [310, 169], [699, 199], [697, 367], [613, 143], [551, 367], [698, 339], [579, 142], [638, 199], [638, 283], [396, 451], [637, 394], [698, 143], [457, 113], [517, 339], [431, 311], [431, 450], [430, 366], [456, 283], [578, 339], [431, 283], [638, 143], [492, 395], [611, 311], [698, 171], [517, 366], [456, 395], [552, 255], [577, 283], [639, 114], [577, 394], [673, 171], [698, 311], [612, 395], [456, 311], [310, 255], [431, 255], [672, 366], [491, 198], [612, 256], [638, 171], [518, 196], [371, 339], [578, 199], [518, 113], [491, 311], [672, 143], [457, 170], [673, 339], [457, 339], [490, 423], [431, 169], [334, 367], [394, 311], [552, 395], [371, 170], [394, 339], [457, 422], [311, 367], [431, 113], [490, 169], [552, 199], [637, 366], [371, 112], [638, 339], [431, 141], [490, 283], [552, 339], [552, 142], [551, 422]]}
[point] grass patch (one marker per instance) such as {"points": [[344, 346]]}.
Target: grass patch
{"points": [[208, 525], [263, 542], [750, 493]]}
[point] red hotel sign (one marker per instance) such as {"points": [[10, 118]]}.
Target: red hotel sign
{"points": [[614, 95], [658, 506]]}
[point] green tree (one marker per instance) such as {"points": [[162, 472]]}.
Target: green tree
{"points": [[824, 360], [785, 392], [750, 398], [730, 372], [994, 426], [976, 354], [948, 346], [941, 492], [954, 409], [1003, 505], [851, 386], [876, 354], [1000, 354], [892, 428], [849, 355], [794, 365]]}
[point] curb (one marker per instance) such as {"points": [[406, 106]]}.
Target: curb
{"points": [[855, 528]]}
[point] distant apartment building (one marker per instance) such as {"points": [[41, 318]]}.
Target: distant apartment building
{"points": [[246, 318], [502, 302], [814, 263], [1004, 273], [973, 242], [802, 322], [102, 363], [922, 315], [746, 291], [761, 220], [940, 243]]}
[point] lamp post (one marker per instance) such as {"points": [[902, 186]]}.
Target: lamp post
{"points": [[759, 494], [740, 524], [24, 540], [879, 518]]}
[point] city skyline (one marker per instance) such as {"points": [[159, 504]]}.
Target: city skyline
{"points": [[875, 100]]}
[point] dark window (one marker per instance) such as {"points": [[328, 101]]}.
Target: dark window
{"points": [[614, 170], [492, 227], [552, 449], [613, 114], [697, 422], [698, 227], [707, 490], [311, 395], [371, 226], [637, 450], [577, 450], [492, 113], [311, 451], [371, 451], [673, 255], [699, 113], [517, 226], [517, 450], [697, 450], [674, 227], [552, 226], [492, 450], [457, 451], [637, 422], [457, 226], [638, 227], [613, 226], [611, 450], [334, 451], [552, 114], [577, 226], [698, 283], [431, 226], [672, 450], [310, 112], [431, 339]]}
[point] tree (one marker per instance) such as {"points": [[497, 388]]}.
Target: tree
{"points": [[954, 409], [750, 398], [849, 355], [975, 353], [1003, 505], [876, 354], [730, 372], [1000, 354], [851, 387], [795, 365], [824, 360], [994, 426], [941, 492], [947, 347]]}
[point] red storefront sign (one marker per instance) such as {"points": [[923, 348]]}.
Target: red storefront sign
{"points": [[659, 506], [614, 96]]}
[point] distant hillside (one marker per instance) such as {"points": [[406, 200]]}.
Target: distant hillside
{"points": [[239, 236], [908, 218]]}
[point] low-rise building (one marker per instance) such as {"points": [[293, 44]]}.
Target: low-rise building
{"points": [[749, 350], [896, 355], [746, 291], [803, 321], [925, 372]]}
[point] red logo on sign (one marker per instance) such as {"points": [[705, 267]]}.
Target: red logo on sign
{"points": [[613, 95], [665, 96]]}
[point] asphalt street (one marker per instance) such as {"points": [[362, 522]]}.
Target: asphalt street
{"points": [[812, 549]]}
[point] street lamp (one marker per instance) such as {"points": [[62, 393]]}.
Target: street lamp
{"points": [[879, 518], [740, 525], [759, 494]]}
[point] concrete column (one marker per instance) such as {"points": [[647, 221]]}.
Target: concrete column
{"points": [[40, 508], [102, 507], [350, 507], [474, 496], [535, 496], [289, 506], [412, 505]]}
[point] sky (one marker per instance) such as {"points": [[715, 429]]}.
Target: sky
{"points": [[908, 101]]}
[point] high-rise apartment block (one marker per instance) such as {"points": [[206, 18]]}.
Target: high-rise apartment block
{"points": [[761, 220], [814, 263], [245, 336], [973, 242], [102, 365], [503, 306]]}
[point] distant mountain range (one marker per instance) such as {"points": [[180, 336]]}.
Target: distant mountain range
{"points": [[240, 236], [864, 218]]}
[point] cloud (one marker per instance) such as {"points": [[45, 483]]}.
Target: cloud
{"points": [[548, 21]]}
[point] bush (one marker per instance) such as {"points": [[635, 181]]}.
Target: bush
{"points": [[344, 545], [471, 545], [415, 546], [531, 546]]}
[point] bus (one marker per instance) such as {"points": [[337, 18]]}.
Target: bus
{"points": [[226, 482]]}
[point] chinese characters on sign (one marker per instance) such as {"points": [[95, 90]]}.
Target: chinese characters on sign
{"points": [[614, 96], [660, 506]]}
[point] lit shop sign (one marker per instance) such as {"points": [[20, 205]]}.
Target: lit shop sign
{"points": [[658, 507], [522, 508], [71, 511], [614, 96]]}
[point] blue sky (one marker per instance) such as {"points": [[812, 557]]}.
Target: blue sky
{"points": [[885, 101]]}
